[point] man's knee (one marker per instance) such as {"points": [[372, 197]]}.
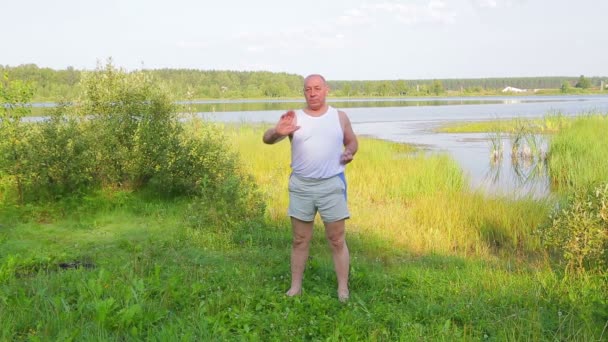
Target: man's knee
{"points": [[336, 240], [301, 240]]}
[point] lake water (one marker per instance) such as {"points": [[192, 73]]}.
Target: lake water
{"points": [[414, 121]]}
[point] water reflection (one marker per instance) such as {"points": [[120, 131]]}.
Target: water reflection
{"points": [[262, 105], [232, 105], [526, 163]]}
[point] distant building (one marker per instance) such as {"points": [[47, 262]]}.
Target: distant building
{"points": [[513, 90]]}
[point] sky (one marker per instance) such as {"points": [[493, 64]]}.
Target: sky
{"points": [[341, 39]]}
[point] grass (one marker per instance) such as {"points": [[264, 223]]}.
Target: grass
{"points": [[578, 156], [155, 279], [430, 261], [417, 202], [550, 123]]}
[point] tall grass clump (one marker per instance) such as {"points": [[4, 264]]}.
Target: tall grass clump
{"points": [[496, 145], [578, 156]]}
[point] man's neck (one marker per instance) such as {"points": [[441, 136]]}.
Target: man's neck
{"points": [[320, 111]]}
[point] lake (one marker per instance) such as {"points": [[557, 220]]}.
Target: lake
{"points": [[414, 121]]}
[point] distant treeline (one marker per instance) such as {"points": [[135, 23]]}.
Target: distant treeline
{"points": [[463, 86], [51, 84]]}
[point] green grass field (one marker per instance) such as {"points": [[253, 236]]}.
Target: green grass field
{"points": [[429, 261]]}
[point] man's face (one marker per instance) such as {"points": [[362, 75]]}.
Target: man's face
{"points": [[315, 91]]}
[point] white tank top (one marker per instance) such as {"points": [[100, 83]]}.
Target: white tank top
{"points": [[317, 146]]}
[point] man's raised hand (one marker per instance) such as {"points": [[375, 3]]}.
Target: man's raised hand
{"points": [[287, 124]]}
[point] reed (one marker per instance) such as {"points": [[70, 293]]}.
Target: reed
{"points": [[571, 148], [496, 145]]}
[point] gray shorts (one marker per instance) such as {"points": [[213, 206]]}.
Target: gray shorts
{"points": [[327, 196]]}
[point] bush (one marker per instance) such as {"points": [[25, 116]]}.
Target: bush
{"points": [[226, 194], [123, 133], [40, 159], [14, 133], [62, 157], [578, 231], [135, 124]]}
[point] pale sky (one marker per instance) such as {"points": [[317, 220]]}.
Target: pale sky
{"points": [[341, 39]]}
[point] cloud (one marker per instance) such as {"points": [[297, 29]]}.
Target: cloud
{"points": [[410, 14], [192, 45], [491, 4], [354, 17], [287, 41], [486, 3], [333, 34]]}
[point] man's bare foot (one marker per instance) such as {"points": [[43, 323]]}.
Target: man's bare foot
{"points": [[293, 292], [343, 295]]}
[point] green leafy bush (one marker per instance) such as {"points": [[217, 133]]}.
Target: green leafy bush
{"points": [[61, 154], [40, 159], [578, 231], [14, 133], [135, 124], [124, 132], [227, 195]]}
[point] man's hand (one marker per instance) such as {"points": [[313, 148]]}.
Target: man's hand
{"points": [[283, 128], [287, 124], [347, 157]]}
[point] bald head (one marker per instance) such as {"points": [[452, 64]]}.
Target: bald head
{"points": [[315, 91], [309, 77]]}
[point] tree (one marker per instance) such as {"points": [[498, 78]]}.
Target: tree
{"points": [[385, 88], [583, 83], [437, 87], [347, 90], [402, 87]]}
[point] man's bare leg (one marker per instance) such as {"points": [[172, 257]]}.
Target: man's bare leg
{"points": [[302, 234], [335, 233]]}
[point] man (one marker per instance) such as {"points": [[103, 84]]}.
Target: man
{"points": [[322, 143]]}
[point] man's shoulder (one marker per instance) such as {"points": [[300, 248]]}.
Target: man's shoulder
{"points": [[342, 114]]}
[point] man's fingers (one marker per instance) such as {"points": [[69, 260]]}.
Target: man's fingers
{"points": [[288, 116], [292, 129], [346, 157]]}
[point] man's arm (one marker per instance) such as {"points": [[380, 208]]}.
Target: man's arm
{"points": [[283, 128], [271, 136], [351, 145]]}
